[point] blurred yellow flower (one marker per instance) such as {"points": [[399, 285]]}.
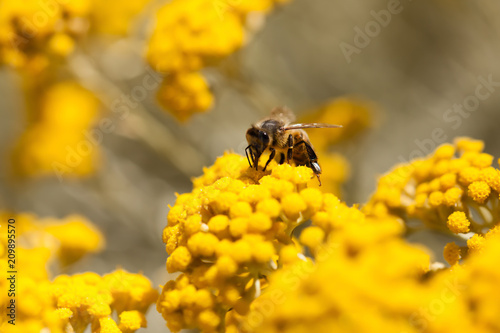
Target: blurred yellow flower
{"points": [[57, 140], [355, 116], [191, 35], [186, 93], [79, 300]]}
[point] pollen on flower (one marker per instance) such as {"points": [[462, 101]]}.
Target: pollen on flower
{"points": [[458, 222]]}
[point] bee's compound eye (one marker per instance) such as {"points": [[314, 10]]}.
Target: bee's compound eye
{"points": [[264, 138], [316, 168]]}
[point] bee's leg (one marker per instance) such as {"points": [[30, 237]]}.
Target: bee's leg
{"points": [[289, 153], [282, 158], [313, 159], [251, 154], [273, 152]]}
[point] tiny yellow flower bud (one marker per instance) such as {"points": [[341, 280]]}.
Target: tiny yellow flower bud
{"points": [[259, 222], [270, 207], [445, 151], [436, 198], [482, 160], [176, 214], [204, 299], [475, 243], [241, 251], [240, 209], [313, 198], [226, 266], [108, 325], [479, 191], [289, 254], [458, 222], [492, 177], [218, 223], [447, 181], [254, 193], [208, 320], [469, 175], [192, 224], [420, 200], [451, 253], [467, 144], [312, 237], [179, 259], [262, 252], [132, 320], [293, 205], [238, 226], [202, 244], [277, 187], [452, 196]]}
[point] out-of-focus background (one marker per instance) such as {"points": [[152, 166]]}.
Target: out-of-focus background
{"points": [[429, 70]]}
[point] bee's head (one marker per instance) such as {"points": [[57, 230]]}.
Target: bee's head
{"points": [[258, 140]]}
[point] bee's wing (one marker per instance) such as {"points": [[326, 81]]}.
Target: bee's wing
{"points": [[283, 113], [310, 125]]}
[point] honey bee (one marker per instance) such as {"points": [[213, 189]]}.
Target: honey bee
{"points": [[277, 134]]}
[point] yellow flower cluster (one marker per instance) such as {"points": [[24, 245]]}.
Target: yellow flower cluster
{"points": [[56, 142], [456, 189], [114, 17], [38, 242], [35, 35], [67, 239], [363, 278], [89, 299], [185, 93], [228, 234], [191, 35], [243, 270], [382, 280], [69, 303]]}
